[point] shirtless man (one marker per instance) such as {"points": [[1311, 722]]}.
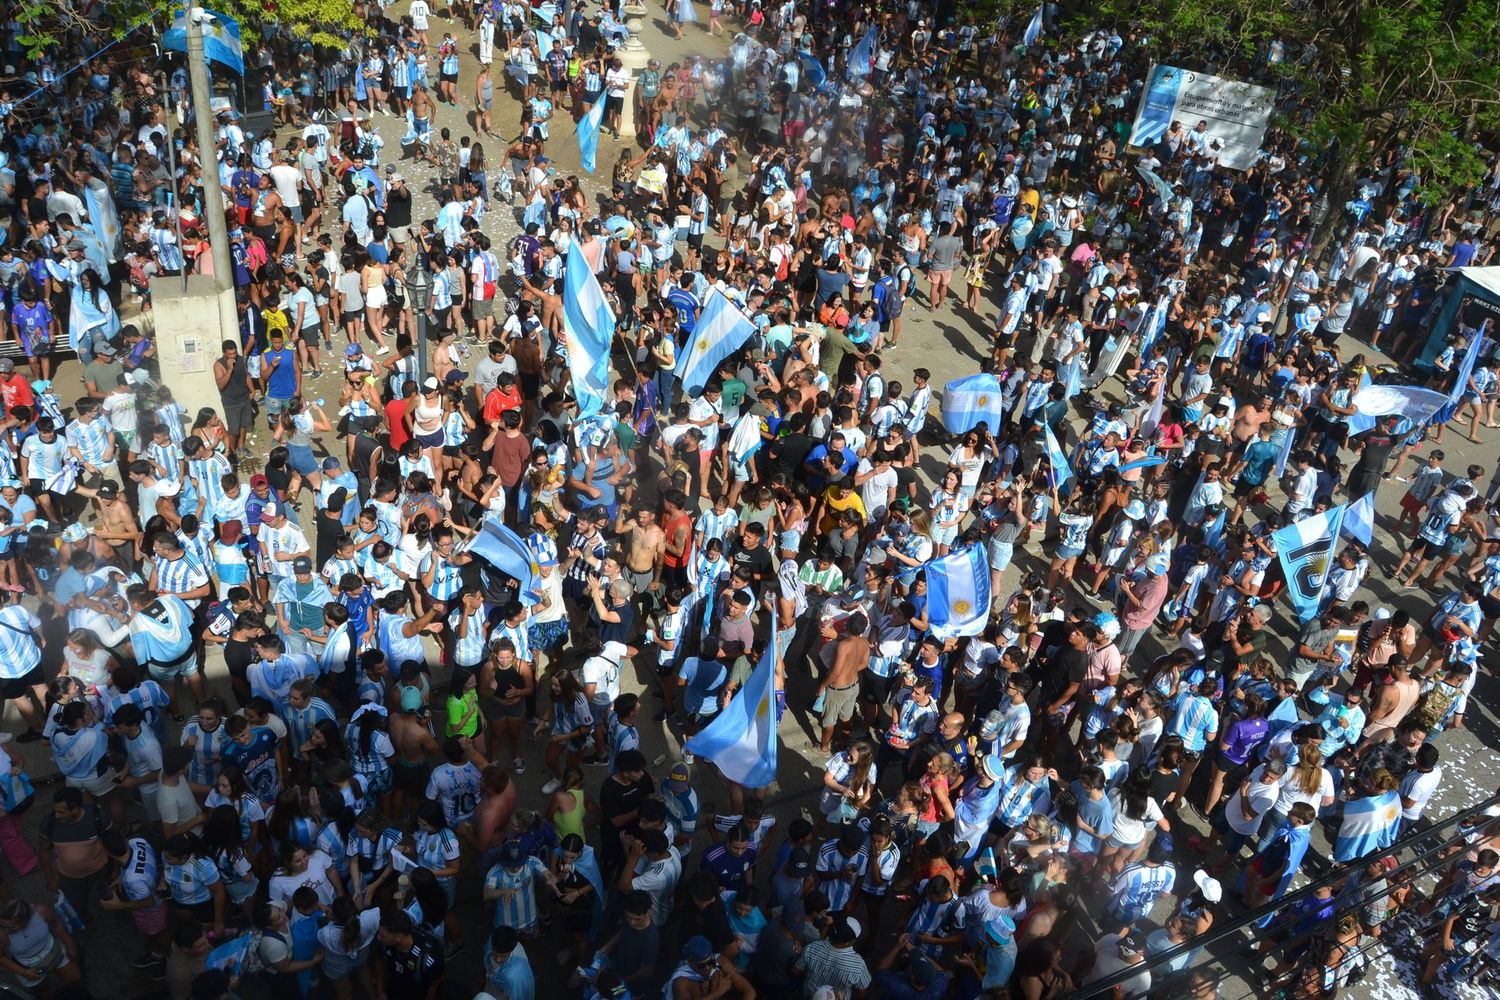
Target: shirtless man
{"points": [[527, 350], [414, 744], [1247, 420], [116, 528], [421, 113], [645, 545], [840, 689], [491, 822]]}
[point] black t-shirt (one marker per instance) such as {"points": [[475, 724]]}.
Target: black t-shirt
{"points": [[409, 974], [636, 950], [758, 560], [1378, 446], [791, 451], [711, 921], [398, 208], [616, 799], [1065, 668]]}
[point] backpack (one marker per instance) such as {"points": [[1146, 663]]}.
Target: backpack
{"points": [[1432, 708]]}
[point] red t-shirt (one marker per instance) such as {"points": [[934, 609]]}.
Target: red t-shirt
{"points": [[395, 414]]}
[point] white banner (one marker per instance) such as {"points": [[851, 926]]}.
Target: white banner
{"points": [[1235, 112]]}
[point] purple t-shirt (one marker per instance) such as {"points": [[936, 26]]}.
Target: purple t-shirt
{"points": [[1243, 737]]}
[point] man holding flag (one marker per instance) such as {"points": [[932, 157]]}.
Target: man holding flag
{"points": [[589, 328]]}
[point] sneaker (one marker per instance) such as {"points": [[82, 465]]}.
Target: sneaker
{"points": [[688, 758], [147, 960], [597, 761], [383, 350], [30, 736], [519, 765], [551, 786]]}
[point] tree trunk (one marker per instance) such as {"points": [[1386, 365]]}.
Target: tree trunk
{"points": [[1341, 172]]}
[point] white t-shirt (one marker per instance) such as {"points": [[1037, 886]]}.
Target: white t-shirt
{"points": [[175, 803], [419, 12], [616, 82], [1417, 787], [1107, 962], [286, 178], [1292, 793], [1132, 831], [603, 671], [315, 878], [876, 491], [1262, 798]]}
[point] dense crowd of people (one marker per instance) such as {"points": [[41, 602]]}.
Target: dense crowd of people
{"points": [[1117, 759]]}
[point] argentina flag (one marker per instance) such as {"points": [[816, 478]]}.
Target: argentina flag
{"points": [[969, 400], [1062, 472], [721, 329], [221, 39], [1306, 552], [503, 549], [958, 593], [741, 740], [588, 134], [1471, 356], [1359, 519], [1411, 402], [1370, 826], [1033, 30], [862, 56], [590, 327]]}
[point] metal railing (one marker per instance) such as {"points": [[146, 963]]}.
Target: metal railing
{"points": [[1428, 857]]}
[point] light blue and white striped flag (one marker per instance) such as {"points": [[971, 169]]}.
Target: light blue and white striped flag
{"points": [[1359, 519], [862, 56], [741, 740], [589, 324], [588, 134], [958, 593], [1306, 550], [1034, 29], [1061, 473], [1370, 825], [503, 549], [722, 328], [968, 400], [1412, 402]]}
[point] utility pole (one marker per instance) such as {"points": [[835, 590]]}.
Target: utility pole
{"points": [[213, 191]]}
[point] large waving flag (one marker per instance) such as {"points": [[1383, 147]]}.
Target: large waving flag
{"points": [[1360, 422], [722, 328], [1061, 473], [741, 741], [221, 39], [1412, 402], [588, 134], [958, 593], [745, 440], [1471, 357], [1369, 826], [1034, 29], [1306, 550], [589, 324], [503, 549], [813, 71], [862, 56], [968, 400], [1359, 519]]}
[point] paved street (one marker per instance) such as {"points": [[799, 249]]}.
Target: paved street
{"points": [[950, 344]]}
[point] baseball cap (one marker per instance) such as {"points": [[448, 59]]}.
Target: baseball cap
{"points": [[108, 491], [168, 488], [992, 766], [922, 972], [430, 384], [679, 772], [259, 480], [800, 861], [229, 532], [353, 351], [269, 513], [104, 347], [1129, 945], [512, 855], [1208, 885], [1157, 564], [455, 376], [302, 564], [698, 949], [7, 365]]}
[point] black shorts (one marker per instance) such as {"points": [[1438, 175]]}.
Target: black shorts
{"points": [[19, 687], [873, 687], [530, 385], [1242, 489], [614, 105], [559, 86], [411, 779], [449, 78], [695, 241], [239, 416], [701, 720]]}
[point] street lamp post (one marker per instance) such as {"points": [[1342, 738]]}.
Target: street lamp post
{"points": [[419, 284]]}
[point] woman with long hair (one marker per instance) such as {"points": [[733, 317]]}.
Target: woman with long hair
{"points": [[1306, 781], [300, 421], [572, 724], [371, 752], [941, 783], [346, 941], [231, 789], [224, 842], [849, 784], [1240, 740], [1039, 972], [1135, 811], [438, 850], [193, 880], [303, 868], [91, 320], [290, 821]]}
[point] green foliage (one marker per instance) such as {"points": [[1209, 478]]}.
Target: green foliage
{"points": [[46, 23], [1364, 78]]}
